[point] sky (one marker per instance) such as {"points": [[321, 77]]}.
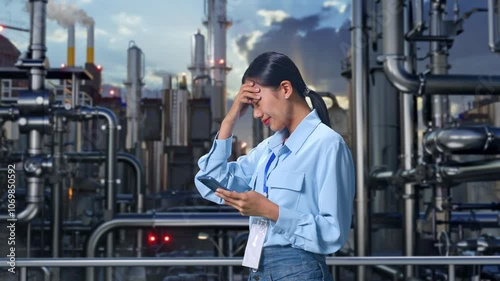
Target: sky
{"points": [[314, 33], [164, 30]]}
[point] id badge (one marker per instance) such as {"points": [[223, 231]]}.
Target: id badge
{"points": [[253, 251]]}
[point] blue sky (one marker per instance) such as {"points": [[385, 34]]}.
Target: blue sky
{"points": [[164, 29]]}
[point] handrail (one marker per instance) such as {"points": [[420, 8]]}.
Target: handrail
{"points": [[216, 261]]}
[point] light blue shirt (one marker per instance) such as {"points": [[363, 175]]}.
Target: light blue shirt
{"points": [[311, 180]]}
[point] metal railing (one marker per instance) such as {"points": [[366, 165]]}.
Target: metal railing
{"points": [[451, 262]]}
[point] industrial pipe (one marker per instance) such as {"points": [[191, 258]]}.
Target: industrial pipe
{"points": [[9, 113], [464, 140], [431, 84], [236, 261], [37, 49], [124, 157], [156, 220], [492, 36], [484, 170], [57, 187], [140, 185], [453, 173], [408, 112], [360, 95], [82, 113]]}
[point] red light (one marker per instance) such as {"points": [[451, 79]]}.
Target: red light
{"points": [[221, 61], [151, 238], [63, 65], [99, 67], [166, 238], [1, 28], [112, 92]]}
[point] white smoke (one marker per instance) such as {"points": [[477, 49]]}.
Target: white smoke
{"points": [[66, 14]]}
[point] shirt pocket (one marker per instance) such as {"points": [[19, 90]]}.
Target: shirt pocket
{"points": [[285, 188]]}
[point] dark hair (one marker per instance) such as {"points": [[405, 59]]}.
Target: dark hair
{"points": [[271, 68]]}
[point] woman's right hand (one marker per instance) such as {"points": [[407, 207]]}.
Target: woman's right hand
{"points": [[247, 95]]}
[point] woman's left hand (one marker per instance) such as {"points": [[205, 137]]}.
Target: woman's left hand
{"points": [[249, 203]]}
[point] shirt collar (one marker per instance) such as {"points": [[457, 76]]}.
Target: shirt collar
{"points": [[299, 136]]}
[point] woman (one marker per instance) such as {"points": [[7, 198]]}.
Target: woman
{"points": [[301, 178]]}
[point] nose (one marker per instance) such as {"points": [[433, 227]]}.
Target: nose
{"points": [[257, 114]]}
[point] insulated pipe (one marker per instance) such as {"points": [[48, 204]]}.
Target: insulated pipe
{"points": [[157, 220], [424, 84], [464, 140], [360, 90]]}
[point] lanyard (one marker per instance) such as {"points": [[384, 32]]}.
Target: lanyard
{"points": [[266, 170]]}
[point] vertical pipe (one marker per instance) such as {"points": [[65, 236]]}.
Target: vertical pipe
{"points": [[384, 136], [451, 272], [75, 101], [360, 90], [23, 274], [110, 183], [71, 45], [75, 90], [439, 65], [408, 137], [230, 254], [90, 43], [57, 188]]}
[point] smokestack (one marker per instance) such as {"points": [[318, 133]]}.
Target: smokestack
{"points": [[71, 45], [90, 43]]}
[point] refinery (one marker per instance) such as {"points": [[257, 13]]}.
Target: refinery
{"points": [[96, 187]]}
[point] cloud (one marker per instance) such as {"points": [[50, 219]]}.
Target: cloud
{"points": [[318, 52], [340, 5], [271, 17], [58, 35], [127, 19], [128, 24]]}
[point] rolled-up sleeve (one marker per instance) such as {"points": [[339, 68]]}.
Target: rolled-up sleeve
{"points": [[326, 231], [233, 175]]}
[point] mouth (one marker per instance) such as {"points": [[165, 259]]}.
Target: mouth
{"points": [[266, 121]]}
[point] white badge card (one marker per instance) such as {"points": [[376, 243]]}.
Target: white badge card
{"points": [[253, 251]]}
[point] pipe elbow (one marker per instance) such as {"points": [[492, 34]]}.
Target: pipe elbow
{"points": [[29, 213], [399, 77], [109, 115]]}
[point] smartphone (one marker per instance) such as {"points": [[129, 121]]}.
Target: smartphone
{"points": [[211, 183]]}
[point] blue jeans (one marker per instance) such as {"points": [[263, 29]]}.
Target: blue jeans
{"points": [[289, 264]]}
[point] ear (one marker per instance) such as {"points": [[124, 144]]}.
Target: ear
{"points": [[287, 88]]}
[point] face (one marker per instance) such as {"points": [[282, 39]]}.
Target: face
{"points": [[270, 108]]}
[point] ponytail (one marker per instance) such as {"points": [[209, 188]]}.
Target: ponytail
{"points": [[319, 104]]}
